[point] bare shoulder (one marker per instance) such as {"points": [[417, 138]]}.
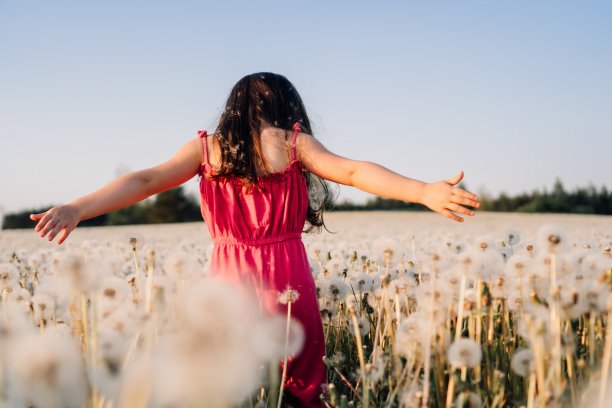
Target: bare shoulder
{"points": [[214, 151], [307, 145]]}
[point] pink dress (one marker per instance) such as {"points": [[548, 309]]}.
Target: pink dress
{"points": [[258, 248]]}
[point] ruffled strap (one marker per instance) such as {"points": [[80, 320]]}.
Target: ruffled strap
{"points": [[296, 128], [203, 135]]}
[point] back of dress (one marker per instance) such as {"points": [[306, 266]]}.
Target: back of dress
{"points": [[274, 209], [258, 249]]}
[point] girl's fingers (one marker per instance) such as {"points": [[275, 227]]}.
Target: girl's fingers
{"points": [[55, 231], [464, 201], [463, 193], [65, 232], [48, 227], [451, 215], [63, 236], [41, 223], [36, 217], [460, 209]]}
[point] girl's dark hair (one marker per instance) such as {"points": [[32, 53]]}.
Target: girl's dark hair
{"points": [[255, 100]]}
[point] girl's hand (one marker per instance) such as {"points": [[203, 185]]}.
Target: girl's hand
{"points": [[63, 218], [443, 198]]}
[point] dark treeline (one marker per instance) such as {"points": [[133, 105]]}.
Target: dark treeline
{"points": [[170, 206], [582, 200], [587, 200], [176, 206]]}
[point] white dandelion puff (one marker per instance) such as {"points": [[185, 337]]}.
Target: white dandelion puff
{"points": [[522, 362], [552, 238], [289, 295], [512, 237], [464, 352], [336, 290], [46, 370]]}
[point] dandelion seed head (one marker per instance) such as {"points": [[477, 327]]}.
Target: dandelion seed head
{"points": [[522, 362], [552, 238], [336, 290], [364, 327], [468, 400], [289, 295], [464, 353], [362, 282], [47, 370], [512, 237]]}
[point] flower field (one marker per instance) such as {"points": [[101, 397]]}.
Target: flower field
{"points": [[502, 310]]}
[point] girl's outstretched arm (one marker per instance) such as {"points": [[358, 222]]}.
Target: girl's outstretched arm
{"points": [[121, 192], [441, 196]]}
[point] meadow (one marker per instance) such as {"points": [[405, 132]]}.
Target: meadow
{"points": [[418, 311]]}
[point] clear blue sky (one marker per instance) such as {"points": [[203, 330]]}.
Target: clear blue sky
{"points": [[515, 93]]}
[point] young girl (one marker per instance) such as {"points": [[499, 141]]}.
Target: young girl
{"points": [[256, 173]]}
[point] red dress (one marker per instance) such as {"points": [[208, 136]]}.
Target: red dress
{"points": [[258, 248]]}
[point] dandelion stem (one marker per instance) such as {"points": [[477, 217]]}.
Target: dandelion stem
{"points": [[282, 382], [343, 378], [605, 368], [532, 389], [364, 378], [459, 325], [450, 393]]}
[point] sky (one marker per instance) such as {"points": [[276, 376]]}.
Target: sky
{"points": [[514, 93]]}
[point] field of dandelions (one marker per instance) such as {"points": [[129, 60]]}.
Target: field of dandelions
{"points": [[502, 310]]}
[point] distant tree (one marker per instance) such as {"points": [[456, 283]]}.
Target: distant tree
{"points": [[134, 214], [173, 206]]}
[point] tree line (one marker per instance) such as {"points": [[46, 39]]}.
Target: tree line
{"points": [[175, 205], [582, 200]]}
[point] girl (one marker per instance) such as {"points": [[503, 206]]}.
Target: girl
{"points": [[256, 175]]}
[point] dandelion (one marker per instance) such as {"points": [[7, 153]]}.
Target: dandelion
{"points": [[388, 248], [315, 269], [552, 238], [321, 286], [411, 398], [505, 251], [468, 400], [46, 370], [522, 362], [269, 337], [317, 251], [43, 307], [113, 289], [362, 282], [337, 290], [9, 275], [180, 265], [512, 237], [410, 336], [328, 310], [289, 295], [484, 242], [135, 240], [464, 353], [337, 358], [364, 327]]}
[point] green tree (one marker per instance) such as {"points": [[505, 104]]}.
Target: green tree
{"points": [[173, 206]]}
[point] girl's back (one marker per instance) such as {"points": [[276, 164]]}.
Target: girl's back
{"points": [[275, 146], [256, 232]]}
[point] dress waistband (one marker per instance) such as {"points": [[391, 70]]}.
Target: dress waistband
{"points": [[257, 242]]}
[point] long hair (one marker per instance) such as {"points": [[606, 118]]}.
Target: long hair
{"points": [[255, 100]]}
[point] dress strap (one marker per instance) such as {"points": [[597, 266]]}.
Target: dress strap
{"points": [[203, 135], [296, 128]]}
